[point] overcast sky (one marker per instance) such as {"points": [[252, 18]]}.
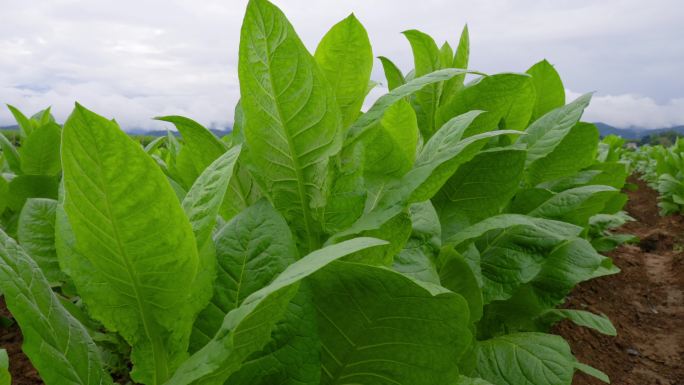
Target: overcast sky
{"points": [[136, 59]]}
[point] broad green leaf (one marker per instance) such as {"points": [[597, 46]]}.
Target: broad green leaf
{"points": [[525, 359], [177, 189], [183, 169], [576, 205], [607, 174], [415, 261], [611, 148], [11, 154], [440, 157], [579, 179], [242, 190], [347, 198], [395, 231], [592, 372], [390, 147], [247, 329], [544, 135], [463, 50], [519, 313], [460, 60], [379, 327], [527, 200], [603, 222], [426, 55], [549, 89], [463, 380], [4, 194], [154, 144], [446, 55], [346, 58], [418, 257], [573, 262], [244, 332], [607, 243], [371, 85], [392, 73], [606, 268], [584, 318], [251, 250], [200, 144], [292, 357], [23, 187], [173, 143], [480, 188], [36, 234], [570, 263], [388, 200], [573, 152], [202, 203], [40, 151], [25, 125], [237, 135], [5, 377], [446, 151], [425, 224], [43, 117], [292, 122], [58, 346], [426, 59], [513, 249], [375, 113], [456, 275], [134, 269], [507, 98]]}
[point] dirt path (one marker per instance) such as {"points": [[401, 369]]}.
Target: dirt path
{"points": [[645, 302]]}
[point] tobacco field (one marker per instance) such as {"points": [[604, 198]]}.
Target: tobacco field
{"points": [[433, 238]]}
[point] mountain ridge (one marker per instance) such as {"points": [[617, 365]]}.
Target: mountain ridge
{"points": [[635, 133]]}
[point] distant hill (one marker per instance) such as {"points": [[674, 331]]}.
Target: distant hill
{"points": [[635, 133]]}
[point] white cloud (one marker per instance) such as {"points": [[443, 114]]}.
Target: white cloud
{"points": [[133, 60], [630, 110]]}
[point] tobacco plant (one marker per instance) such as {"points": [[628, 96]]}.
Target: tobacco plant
{"points": [[663, 169], [431, 239]]}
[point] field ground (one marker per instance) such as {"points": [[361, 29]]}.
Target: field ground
{"points": [[21, 369], [645, 302]]}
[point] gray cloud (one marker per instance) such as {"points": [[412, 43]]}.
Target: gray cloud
{"points": [[134, 60], [631, 110]]}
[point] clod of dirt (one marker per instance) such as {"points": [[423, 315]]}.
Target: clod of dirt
{"points": [[633, 352], [648, 244]]}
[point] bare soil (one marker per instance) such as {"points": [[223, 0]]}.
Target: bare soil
{"points": [[20, 367], [645, 302]]}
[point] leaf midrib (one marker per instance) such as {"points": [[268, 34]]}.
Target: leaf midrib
{"points": [[289, 140]]}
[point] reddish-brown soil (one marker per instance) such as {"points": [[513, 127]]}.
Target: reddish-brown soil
{"points": [[20, 367], [645, 302]]}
